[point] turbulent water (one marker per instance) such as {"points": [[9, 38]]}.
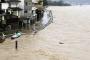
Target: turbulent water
{"points": [[45, 18]]}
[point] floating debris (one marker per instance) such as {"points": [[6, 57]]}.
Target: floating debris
{"points": [[61, 43], [16, 35], [2, 38]]}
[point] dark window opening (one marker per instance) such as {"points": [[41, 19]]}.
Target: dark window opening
{"points": [[25, 11], [26, 3], [2, 0]]}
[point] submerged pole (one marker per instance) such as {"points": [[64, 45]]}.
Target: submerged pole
{"points": [[16, 45]]}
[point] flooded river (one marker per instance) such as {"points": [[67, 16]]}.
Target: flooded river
{"points": [[67, 38]]}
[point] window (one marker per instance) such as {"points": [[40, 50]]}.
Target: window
{"points": [[29, 3], [26, 3], [2, 0], [25, 11]]}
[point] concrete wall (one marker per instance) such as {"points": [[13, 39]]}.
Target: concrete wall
{"points": [[21, 5], [26, 5], [28, 8]]}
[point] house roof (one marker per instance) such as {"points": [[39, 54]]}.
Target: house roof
{"points": [[15, 8], [11, 1]]}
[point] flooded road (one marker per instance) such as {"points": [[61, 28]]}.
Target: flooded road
{"points": [[67, 38]]}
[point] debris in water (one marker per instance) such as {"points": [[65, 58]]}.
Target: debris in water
{"points": [[16, 35], [61, 43], [2, 38]]}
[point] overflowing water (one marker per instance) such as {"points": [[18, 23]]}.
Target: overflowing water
{"points": [[45, 18], [67, 38]]}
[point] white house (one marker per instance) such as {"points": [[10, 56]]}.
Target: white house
{"points": [[26, 6]]}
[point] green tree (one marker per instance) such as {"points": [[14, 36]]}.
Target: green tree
{"points": [[45, 2]]}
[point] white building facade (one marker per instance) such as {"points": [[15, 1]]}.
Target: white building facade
{"points": [[26, 6]]}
